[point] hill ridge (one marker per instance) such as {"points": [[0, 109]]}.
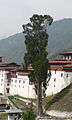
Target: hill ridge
{"points": [[60, 39]]}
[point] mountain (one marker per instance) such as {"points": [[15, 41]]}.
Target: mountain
{"points": [[60, 39], [13, 48]]}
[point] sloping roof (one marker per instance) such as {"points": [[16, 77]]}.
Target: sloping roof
{"points": [[65, 53], [56, 68], [68, 66], [23, 74], [7, 63], [3, 103], [59, 62], [59, 59], [2, 56], [14, 111]]}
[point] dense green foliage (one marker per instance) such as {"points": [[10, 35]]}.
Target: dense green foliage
{"points": [[30, 115], [36, 39]]}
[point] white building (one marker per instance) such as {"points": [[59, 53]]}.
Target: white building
{"points": [[14, 114], [13, 79], [61, 73], [20, 85]]}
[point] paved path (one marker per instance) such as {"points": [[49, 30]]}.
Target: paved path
{"points": [[60, 114], [27, 101]]}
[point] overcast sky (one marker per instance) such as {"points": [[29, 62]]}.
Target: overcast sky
{"points": [[15, 13]]}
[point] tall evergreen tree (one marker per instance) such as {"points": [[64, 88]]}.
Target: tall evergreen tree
{"points": [[36, 40]]}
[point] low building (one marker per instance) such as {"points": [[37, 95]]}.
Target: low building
{"points": [[14, 114], [61, 73], [14, 80]]}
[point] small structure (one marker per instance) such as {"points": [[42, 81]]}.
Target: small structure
{"points": [[3, 106], [14, 114]]}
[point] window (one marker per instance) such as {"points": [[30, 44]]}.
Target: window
{"points": [[61, 74], [55, 71], [1, 79], [54, 79], [19, 85], [15, 85], [24, 81], [11, 80], [19, 81], [15, 81], [1, 84], [11, 114], [54, 85], [23, 86], [67, 75], [7, 84]]}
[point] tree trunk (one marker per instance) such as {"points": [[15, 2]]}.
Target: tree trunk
{"points": [[39, 100]]}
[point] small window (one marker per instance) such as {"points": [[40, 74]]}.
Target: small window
{"points": [[15, 85], [54, 85], [1, 79], [11, 114], [11, 80], [15, 81], [54, 79], [7, 84], [1, 84], [19, 81], [24, 81], [61, 74], [55, 71], [23, 86], [19, 85], [67, 75]]}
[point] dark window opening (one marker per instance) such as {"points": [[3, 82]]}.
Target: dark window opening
{"points": [[61, 74]]}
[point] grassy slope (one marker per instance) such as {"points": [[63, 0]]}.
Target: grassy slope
{"points": [[61, 101], [3, 116]]}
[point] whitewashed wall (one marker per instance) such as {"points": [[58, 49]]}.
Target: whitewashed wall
{"points": [[58, 82], [3, 81], [22, 87]]}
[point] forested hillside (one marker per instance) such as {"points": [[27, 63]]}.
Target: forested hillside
{"points": [[60, 39]]}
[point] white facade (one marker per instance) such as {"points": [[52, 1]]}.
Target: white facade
{"points": [[59, 80], [3, 81], [20, 84], [22, 87]]}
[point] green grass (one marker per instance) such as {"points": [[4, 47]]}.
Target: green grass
{"points": [[11, 99], [32, 100], [61, 101], [19, 103], [4, 116]]}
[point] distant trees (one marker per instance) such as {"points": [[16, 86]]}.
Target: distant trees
{"points": [[36, 40]]}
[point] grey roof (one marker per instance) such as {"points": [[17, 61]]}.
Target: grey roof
{"points": [[13, 111]]}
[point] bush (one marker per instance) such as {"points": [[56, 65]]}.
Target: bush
{"points": [[30, 115]]}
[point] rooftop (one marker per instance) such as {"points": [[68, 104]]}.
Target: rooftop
{"points": [[65, 53], [60, 62], [14, 111]]}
